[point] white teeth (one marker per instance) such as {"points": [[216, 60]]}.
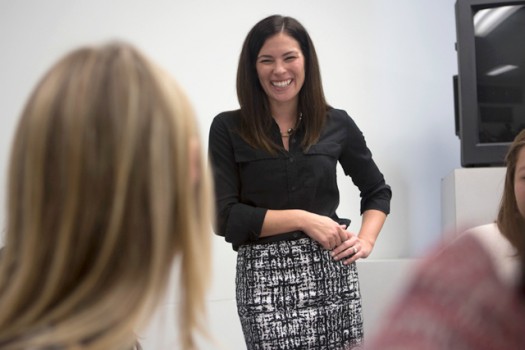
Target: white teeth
{"points": [[282, 83]]}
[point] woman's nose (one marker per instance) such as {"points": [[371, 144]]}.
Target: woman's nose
{"points": [[279, 67]]}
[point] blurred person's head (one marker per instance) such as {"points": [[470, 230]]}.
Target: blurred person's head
{"points": [[106, 188], [511, 215]]}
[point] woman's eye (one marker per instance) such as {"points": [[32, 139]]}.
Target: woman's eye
{"points": [[265, 60], [290, 58], [520, 177]]}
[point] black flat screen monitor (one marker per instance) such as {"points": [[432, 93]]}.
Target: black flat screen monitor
{"points": [[490, 85]]}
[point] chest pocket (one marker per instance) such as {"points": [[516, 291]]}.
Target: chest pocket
{"points": [[330, 149], [319, 165], [259, 171], [244, 153]]}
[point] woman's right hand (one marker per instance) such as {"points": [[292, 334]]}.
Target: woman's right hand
{"points": [[322, 229]]}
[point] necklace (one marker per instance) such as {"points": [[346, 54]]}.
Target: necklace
{"points": [[290, 131]]}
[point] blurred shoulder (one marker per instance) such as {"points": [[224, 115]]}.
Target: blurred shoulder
{"points": [[500, 250], [465, 255]]}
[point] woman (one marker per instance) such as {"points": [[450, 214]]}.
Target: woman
{"points": [[276, 193], [471, 293], [100, 201]]}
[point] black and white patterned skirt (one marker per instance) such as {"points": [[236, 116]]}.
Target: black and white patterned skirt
{"points": [[293, 295]]}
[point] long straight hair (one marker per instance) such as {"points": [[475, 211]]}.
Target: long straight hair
{"points": [[522, 281], [100, 203], [255, 109], [509, 220]]}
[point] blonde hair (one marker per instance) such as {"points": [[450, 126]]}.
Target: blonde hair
{"points": [[100, 202], [509, 220]]}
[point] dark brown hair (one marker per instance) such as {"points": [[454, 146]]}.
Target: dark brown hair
{"points": [[510, 222], [522, 281], [255, 109]]}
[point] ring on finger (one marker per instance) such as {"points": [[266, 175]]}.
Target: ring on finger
{"points": [[355, 249]]}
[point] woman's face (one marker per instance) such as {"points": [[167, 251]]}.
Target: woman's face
{"points": [[519, 182], [280, 68]]}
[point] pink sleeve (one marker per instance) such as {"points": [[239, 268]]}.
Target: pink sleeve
{"points": [[455, 301]]}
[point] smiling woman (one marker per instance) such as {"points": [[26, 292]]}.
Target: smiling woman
{"points": [[280, 68], [275, 163]]}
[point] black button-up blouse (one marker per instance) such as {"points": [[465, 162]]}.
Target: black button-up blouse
{"points": [[250, 181]]}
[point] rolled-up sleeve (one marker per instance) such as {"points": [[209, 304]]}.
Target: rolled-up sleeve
{"points": [[236, 222], [250, 181]]}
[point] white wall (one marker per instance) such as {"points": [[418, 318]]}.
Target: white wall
{"points": [[388, 63]]}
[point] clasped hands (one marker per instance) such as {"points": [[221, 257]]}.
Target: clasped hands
{"points": [[344, 245]]}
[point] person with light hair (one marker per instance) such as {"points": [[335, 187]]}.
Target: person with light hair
{"points": [[107, 192]]}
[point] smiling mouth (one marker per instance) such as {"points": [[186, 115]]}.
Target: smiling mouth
{"points": [[282, 84]]}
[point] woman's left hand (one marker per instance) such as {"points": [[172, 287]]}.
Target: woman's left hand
{"points": [[351, 249], [360, 246]]}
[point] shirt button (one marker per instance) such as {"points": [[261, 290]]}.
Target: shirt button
{"points": [[291, 160], [296, 235], [293, 188]]}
